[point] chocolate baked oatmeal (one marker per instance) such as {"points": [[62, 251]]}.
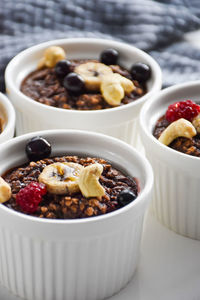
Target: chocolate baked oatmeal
{"points": [[179, 128], [85, 84], [66, 187]]}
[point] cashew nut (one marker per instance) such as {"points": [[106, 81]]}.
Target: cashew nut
{"points": [[113, 87], [179, 128], [113, 93], [89, 181], [5, 191], [126, 83], [196, 123], [52, 55]]}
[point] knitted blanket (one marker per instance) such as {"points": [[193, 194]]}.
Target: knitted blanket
{"points": [[157, 27]]}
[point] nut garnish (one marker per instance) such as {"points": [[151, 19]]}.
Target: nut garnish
{"points": [[114, 86], [5, 191], [126, 83], [92, 72], [113, 93], [89, 181], [61, 178], [52, 55], [196, 123], [179, 128]]}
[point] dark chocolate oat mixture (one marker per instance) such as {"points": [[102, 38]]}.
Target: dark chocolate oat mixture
{"points": [[182, 144], [45, 87], [66, 206]]}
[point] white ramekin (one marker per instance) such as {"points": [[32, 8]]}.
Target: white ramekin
{"points": [[177, 177], [7, 114], [120, 122], [84, 259]]}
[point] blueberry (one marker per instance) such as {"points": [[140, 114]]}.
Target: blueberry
{"points": [[74, 83], [62, 68], [125, 197], [140, 72], [109, 57], [38, 148]]}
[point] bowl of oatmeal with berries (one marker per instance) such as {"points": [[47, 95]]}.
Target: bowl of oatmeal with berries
{"points": [[7, 119], [170, 131], [73, 209], [88, 84]]}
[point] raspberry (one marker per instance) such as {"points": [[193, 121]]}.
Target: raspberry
{"points": [[29, 197], [183, 109]]}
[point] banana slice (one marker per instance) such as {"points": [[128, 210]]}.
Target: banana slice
{"points": [[89, 181], [61, 178], [52, 55], [92, 73]]}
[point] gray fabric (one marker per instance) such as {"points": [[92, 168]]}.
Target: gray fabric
{"points": [[154, 26]]}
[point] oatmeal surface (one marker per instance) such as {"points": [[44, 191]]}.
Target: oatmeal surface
{"points": [[46, 88], [71, 206]]}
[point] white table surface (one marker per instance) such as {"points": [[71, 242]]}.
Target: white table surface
{"points": [[169, 265]]}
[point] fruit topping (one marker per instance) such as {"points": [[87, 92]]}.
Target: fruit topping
{"points": [[89, 181], [92, 72], [52, 55], [140, 72], [179, 128], [125, 197], [113, 88], [109, 57], [183, 109], [38, 148], [61, 178], [5, 191], [74, 83], [30, 197], [62, 68]]}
